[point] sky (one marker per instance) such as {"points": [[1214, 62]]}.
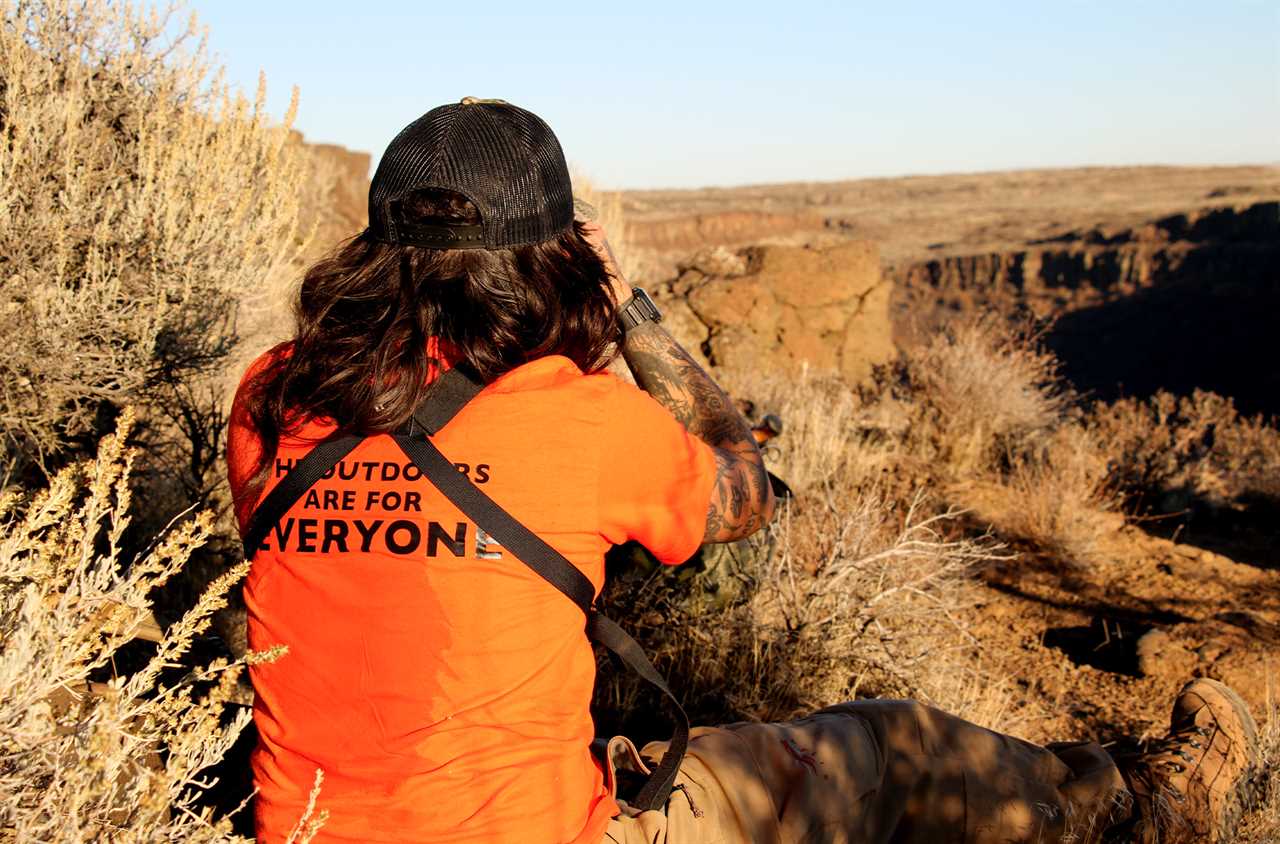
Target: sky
{"points": [[655, 94]]}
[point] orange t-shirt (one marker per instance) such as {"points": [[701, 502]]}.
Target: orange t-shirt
{"points": [[441, 684]]}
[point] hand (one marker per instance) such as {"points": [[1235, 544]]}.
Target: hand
{"points": [[618, 284]]}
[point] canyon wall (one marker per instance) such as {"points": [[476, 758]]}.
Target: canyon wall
{"points": [[1183, 302], [1085, 268]]}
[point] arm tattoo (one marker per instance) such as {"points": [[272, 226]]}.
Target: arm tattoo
{"points": [[742, 500]]}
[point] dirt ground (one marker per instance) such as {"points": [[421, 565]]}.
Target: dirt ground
{"points": [[1100, 651]]}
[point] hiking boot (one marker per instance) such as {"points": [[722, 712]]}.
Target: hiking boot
{"points": [[1196, 782]]}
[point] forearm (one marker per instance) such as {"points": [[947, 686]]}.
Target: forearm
{"points": [[742, 498], [664, 370]]}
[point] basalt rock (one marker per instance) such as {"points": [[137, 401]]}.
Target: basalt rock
{"points": [[783, 309]]}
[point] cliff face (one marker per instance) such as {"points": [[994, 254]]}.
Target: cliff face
{"points": [[1185, 301], [1086, 268]]}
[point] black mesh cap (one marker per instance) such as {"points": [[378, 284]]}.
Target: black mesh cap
{"points": [[504, 159]]}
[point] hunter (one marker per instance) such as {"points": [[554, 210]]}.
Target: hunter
{"points": [[427, 478]]}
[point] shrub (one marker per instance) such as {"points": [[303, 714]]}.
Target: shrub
{"points": [[142, 199], [1262, 825], [88, 752], [978, 411], [1061, 498], [1171, 453], [984, 392]]}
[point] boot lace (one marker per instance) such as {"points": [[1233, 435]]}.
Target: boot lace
{"points": [[1150, 770]]}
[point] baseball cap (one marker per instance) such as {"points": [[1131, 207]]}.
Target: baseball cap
{"points": [[504, 159]]}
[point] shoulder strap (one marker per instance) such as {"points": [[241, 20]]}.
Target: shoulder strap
{"points": [[605, 631], [447, 396], [451, 392], [553, 567], [311, 468]]}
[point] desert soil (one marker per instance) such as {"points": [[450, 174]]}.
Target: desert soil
{"points": [[1099, 652]]}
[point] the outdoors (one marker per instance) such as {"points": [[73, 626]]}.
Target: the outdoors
{"points": [[992, 296]]}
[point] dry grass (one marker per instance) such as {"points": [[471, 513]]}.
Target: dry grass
{"points": [[1061, 500], [641, 266], [88, 751], [988, 392], [608, 206], [1262, 825], [143, 201], [979, 412], [872, 608]]}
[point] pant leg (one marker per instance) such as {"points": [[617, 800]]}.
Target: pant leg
{"points": [[883, 771], [720, 797]]}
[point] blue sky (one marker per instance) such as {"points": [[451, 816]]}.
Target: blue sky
{"points": [[660, 94]]}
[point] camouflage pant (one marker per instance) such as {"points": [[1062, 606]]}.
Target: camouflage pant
{"points": [[878, 771]]}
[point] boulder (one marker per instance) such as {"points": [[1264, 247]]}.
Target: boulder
{"points": [[784, 308]]}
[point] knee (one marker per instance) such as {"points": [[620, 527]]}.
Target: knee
{"points": [[876, 710]]}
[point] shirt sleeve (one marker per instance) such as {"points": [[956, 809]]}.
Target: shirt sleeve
{"points": [[655, 477]]}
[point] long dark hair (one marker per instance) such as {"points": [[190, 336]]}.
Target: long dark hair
{"points": [[360, 354]]}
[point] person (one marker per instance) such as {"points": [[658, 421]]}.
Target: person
{"points": [[442, 683]]}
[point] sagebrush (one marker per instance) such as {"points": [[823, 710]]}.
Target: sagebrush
{"points": [[88, 750], [142, 200], [1173, 453]]}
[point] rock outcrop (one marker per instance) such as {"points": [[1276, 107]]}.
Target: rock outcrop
{"points": [[783, 309]]}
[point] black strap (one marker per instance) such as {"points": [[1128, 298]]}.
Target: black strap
{"points": [[293, 486], [451, 392], [448, 395], [604, 631]]}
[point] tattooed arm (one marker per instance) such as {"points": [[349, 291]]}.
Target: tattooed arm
{"points": [[742, 500]]}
